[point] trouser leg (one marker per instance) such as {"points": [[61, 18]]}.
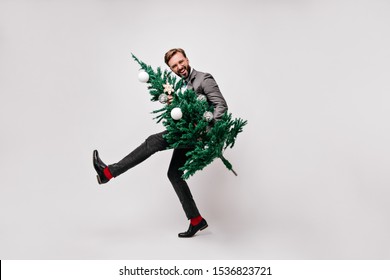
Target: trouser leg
{"points": [[151, 145], [180, 185]]}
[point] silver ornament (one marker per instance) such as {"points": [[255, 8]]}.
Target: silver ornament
{"points": [[208, 116], [163, 98], [201, 97]]}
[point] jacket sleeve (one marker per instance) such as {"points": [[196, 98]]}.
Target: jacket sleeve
{"points": [[214, 96]]}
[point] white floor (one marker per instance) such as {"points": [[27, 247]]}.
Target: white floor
{"points": [[128, 220]]}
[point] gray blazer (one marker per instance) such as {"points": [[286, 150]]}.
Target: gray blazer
{"points": [[204, 83]]}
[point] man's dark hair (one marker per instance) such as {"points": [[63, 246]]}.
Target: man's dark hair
{"points": [[172, 52]]}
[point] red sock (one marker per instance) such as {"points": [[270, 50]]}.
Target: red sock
{"points": [[196, 220], [107, 173]]}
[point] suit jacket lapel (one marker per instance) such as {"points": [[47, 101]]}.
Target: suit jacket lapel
{"points": [[191, 79]]}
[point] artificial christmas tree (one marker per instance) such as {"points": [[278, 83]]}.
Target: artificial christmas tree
{"points": [[188, 118]]}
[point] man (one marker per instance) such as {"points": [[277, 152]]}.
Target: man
{"points": [[201, 83]]}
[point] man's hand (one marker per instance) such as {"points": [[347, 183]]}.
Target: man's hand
{"points": [[170, 98]]}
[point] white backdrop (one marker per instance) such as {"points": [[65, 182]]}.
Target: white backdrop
{"points": [[311, 78]]}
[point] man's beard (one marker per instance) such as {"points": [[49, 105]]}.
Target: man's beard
{"points": [[188, 71]]}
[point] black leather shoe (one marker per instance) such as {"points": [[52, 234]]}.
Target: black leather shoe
{"points": [[99, 166], [194, 229]]}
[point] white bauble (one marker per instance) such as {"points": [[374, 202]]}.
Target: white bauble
{"points": [[143, 77], [208, 116], [176, 113]]}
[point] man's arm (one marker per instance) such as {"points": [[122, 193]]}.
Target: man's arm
{"points": [[214, 96]]}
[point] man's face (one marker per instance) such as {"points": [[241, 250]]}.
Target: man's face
{"points": [[179, 65]]}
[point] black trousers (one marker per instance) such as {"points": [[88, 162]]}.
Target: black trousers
{"points": [[151, 145]]}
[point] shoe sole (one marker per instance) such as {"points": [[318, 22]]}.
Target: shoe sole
{"points": [[93, 163], [98, 179], [204, 227]]}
